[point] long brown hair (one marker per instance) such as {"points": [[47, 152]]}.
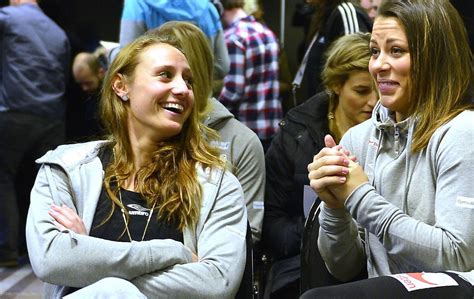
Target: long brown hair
{"points": [[441, 62], [170, 179]]}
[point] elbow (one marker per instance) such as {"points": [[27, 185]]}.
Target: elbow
{"points": [[44, 269], [48, 265], [344, 276], [221, 289], [225, 284]]}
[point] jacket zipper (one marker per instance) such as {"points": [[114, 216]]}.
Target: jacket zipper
{"points": [[397, 140]]}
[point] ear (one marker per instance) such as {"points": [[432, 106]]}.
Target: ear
{"points": [[337, 89], [101, 73], [120, 85]]}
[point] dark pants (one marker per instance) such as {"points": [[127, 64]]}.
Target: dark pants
{"points": [[388, 287], [23, 138]]}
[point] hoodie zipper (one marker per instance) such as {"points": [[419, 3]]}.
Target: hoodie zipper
{"points": [[397, 140]]}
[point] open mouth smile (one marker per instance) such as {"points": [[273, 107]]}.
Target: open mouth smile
{"points": [[173, 107]]}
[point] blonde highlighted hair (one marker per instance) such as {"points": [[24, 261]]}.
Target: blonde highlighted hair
{"points": [[346, 55]]}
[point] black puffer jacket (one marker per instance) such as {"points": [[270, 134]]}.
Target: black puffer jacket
{"points": [[301, 136]]}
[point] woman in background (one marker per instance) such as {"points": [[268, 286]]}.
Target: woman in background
{"points": [[348, 100]]}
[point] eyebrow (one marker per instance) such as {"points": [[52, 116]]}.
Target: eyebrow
{"points": [[170, 66], [390, 40]]}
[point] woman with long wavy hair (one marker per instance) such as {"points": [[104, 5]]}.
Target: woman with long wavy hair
{"points": [[149, 212]]}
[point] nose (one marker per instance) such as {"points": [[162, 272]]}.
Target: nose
{"points": [[180, 87], [379, 63]]}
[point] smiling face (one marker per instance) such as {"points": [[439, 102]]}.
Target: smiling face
{"points": [[160, 93], [390, 64], [357, 98]]}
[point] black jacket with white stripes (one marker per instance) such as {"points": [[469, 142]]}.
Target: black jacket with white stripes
{"points": [[346, 18]]}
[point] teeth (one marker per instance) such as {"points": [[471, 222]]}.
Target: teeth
{"points": [[173, 106]]}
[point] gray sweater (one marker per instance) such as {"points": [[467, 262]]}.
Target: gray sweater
{"points": [[73, 175], [243, 152], [416, 213]]}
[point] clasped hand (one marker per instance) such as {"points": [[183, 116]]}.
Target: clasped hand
{"points": [[334, 174]]}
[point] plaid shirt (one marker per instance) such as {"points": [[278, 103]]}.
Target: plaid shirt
{"points": [[251, 88]]}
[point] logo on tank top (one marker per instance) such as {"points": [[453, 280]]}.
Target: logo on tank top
{"points": [[138, 210]]}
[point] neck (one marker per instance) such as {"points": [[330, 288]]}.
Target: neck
{"points": [[342, 122], [19, 2], [141, 152], [141, 155], [142, 145], [234, 14], [399, 117]]}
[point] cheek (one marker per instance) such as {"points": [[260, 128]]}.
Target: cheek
{"points": [[371, 67], [191, 98], [354, 102], [141, 106], [404, 69], [191, 101]]}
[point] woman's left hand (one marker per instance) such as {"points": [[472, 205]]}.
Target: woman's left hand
{"points": [[334, 174], [354, 179], [66, 219]]}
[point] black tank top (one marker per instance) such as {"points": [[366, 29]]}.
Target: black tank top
{"points": [[114, 228]]}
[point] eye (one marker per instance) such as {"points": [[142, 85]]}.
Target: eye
{"points": [[189, 82], [396, 51], [165, 74], [374, 51], [363, 91]]}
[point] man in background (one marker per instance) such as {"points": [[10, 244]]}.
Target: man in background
{"points": [[89, 71], [251, 88], [34, 63]]}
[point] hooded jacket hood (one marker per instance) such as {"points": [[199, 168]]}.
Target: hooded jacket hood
{"points": [[219, 114], [384, 121]]}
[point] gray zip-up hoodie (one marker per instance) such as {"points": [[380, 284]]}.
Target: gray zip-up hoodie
{"points": [[73, 175], [243, 152], [416, 212]]}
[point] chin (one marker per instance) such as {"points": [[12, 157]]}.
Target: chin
{"points": [[387, 101]]}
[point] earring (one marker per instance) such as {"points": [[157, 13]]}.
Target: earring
{"points": [[124, 97]]}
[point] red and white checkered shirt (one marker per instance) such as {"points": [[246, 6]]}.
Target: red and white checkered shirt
{"points": [[251, 88]]}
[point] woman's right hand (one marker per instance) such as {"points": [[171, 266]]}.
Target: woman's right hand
{"points": [[66, 219], [329, 167]]}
